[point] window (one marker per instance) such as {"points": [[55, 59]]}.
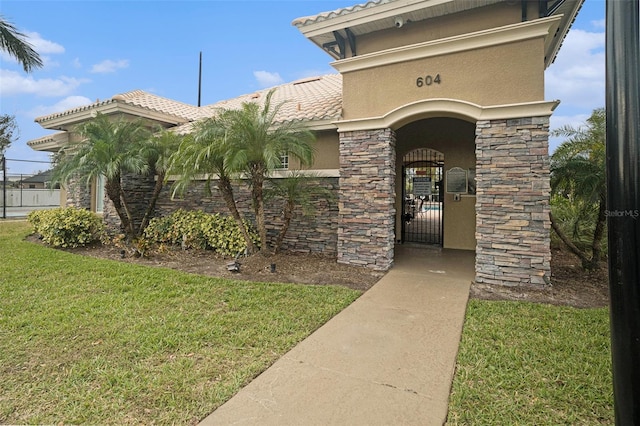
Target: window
{"points": [[100, 194], [284, 161]]}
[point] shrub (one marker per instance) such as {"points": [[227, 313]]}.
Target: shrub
{"points": [[35, 218], [197, 229], [67, 226]]}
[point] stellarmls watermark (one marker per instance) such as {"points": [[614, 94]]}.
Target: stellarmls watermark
{"points": [[634, 214]]}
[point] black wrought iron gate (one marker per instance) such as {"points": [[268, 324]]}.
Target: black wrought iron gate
{"points": [[423, 196]]}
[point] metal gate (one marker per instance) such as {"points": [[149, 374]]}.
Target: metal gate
{"points": [[423, 196]]}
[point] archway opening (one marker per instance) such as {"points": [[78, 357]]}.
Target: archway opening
{"points": [[423, 196], [428, 149]]}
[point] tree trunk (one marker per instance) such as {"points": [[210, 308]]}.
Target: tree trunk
{"points": [[113, 189], [598, 235], [226, 190], [257, 192], [131, 232], [572, 247], [288, 215], [152, 203]]}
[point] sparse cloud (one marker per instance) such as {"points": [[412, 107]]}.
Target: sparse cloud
{"points": [[14, 83], [76, 63], [67, 103], [267, 79], [109, 66], [43, 46], [599, 24], [577, 77]]}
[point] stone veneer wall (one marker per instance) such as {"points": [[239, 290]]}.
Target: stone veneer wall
{"points": [[367, 198], [315, 233], [512, 202], [138, 190], [78, 194]]}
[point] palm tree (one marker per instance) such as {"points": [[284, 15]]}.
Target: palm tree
{"points": [[109, 148], [578, 172], [296, 190], [15, 44], [203, 152], [158, 152], [257, 142]]}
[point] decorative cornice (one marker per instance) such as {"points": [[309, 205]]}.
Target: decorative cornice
{"points": [[544, 27], [431, 108]]}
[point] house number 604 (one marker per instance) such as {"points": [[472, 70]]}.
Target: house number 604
{"points": [[428, 80]]}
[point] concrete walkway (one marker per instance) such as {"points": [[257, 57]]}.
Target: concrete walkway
{"points": [[387, 359]]}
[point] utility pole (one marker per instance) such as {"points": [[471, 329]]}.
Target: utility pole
{"points": [[200, 79], [623, 198]]}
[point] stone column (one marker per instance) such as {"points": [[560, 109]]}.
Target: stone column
{"points": [[512, 202], [78, 193], [367, 198]]}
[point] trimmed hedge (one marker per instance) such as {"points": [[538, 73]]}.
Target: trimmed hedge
{"points": [[197, 229], [67, 226]]}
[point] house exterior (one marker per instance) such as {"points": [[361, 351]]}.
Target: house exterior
{"points": [[40, 180], [434, 131]]}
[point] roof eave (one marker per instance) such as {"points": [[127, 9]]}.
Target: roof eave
{"points": [[50, 143], [568, 17], [63, 122]]}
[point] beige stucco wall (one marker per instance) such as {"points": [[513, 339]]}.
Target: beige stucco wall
{"points": [[446, 26], [496, 75], [456, 140], [326, 150]]}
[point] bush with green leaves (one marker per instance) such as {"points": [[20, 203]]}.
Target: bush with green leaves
{"points": [[197, 229], [67, 226]]}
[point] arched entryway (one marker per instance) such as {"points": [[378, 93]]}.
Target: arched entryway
{"points": [[423, 195], [427, 212]]}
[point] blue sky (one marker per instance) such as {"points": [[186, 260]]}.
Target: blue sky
{"points": [[96, 49]]}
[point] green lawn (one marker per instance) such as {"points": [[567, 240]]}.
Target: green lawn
{"points": [[533, 364], [84, 340]]}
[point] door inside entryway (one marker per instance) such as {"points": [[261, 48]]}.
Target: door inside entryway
{"points": [[423, 196]]}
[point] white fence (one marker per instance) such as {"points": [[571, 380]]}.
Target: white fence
{"points": [[32, 198]]}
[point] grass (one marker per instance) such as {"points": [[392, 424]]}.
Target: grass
{"points": [[84, 340], [532, 364]]}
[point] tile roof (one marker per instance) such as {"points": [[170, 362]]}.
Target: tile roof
{"points": [[138, 98], [158, 103], [310, 99], [306, 20]]}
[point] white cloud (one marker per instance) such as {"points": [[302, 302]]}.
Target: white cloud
{"points": [[43, 46], [600, 24], [76, 63], [268, 79], [14, 83], [40, 45], [577, 77], [67, 103], [109, 66]]}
